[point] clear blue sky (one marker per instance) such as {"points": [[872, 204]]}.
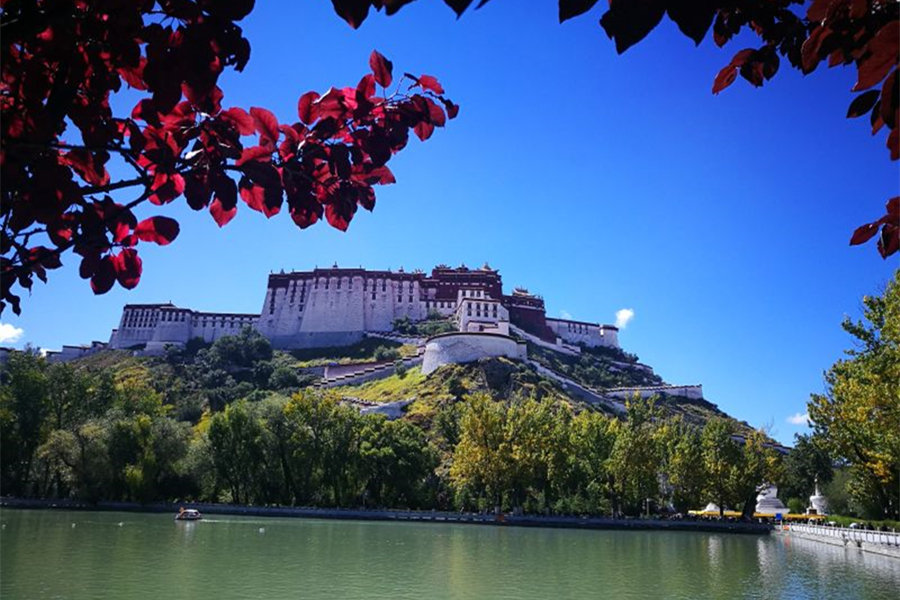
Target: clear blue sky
{"points": [[602, 182]]}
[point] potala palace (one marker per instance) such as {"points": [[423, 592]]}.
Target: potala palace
{"points": [[337, 307]]}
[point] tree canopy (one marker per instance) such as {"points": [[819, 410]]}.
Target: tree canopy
{"points": [[858, 418]]}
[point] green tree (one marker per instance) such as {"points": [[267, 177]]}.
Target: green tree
{"points": [[759, 464], [23, 410], [807, 462], [592, 436], [236, 444], [482, 464], [721, 461], [396, 462], [685, 468], [858, 418], [635, 460]]}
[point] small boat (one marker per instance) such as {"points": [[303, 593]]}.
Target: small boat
{"points": [[188, 515]]}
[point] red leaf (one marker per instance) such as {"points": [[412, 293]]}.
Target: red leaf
{"points": [[893, 209], [893, 143], [266, 124], [435, 113], [238, 117], [430, 83], [365, 89], [306, 215], [452, 109], [889, 242], [424, 130], [865, 232], [890, 99], [630, 22], [573, 8], [89, 165], [104, 275], [159, 230], [352, 11], [253, 153], [128, 268], [221, 215], [338, 216], [725, 78], [331, 105], [862, 104], [885, 47], [809, 52], [166, 187], [382, 68], [253, 195], [306, 107], [818, 9]]}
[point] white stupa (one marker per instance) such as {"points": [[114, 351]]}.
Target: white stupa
{"points": [[767, 502], [818, 504]]}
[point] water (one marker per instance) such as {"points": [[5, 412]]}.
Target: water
{"points": [[74, 555]]}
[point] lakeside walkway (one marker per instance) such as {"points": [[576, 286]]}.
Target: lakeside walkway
{"points": [[885, 543], [561, 522]]}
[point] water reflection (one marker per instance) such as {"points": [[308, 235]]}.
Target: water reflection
{"points": [[152, 557]]}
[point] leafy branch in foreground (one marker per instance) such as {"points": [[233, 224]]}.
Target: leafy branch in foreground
{"points": [[61, 63]]}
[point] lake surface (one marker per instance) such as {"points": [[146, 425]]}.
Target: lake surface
{"points": [[62, 554]]}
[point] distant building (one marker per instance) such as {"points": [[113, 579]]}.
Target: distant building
{"points": [[336, 307]]}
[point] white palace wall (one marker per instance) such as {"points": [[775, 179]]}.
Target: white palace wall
{"points": [[465, 347], [337, 310], [589, 334]]}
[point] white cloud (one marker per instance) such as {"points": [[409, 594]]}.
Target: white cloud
{"points": [[564, 314], [624, 317], [10, 334], [798, 419]]}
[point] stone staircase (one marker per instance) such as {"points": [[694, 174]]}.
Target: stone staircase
{"points": [[370, 372], [396, 337]]}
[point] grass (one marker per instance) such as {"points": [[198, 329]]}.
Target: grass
{"points": [[361, 352], [389, 389], [845, 522]]}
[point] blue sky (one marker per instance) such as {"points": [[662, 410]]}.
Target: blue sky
{"points": [[602, 182]]}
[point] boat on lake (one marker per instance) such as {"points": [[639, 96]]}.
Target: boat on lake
{"points": [[188, 515]]}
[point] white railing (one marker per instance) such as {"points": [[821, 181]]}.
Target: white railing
{"points": [[865, 536]]}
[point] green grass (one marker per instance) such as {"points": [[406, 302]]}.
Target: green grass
{"points": [[845, 522], [389, 389], [361, 352]]}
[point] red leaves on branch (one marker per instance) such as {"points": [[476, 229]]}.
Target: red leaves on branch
{"points": [[62, 62], [889, 225]]}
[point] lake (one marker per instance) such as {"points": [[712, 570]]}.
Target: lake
{"points": [[67, 554]]}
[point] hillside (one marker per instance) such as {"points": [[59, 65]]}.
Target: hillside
{"points": [[201, 379]]}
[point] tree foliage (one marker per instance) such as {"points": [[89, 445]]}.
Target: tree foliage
{"points": [[863, 33], [71, 431], [858, 418], [62, 63]]}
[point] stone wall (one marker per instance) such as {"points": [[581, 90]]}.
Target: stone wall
{"points": [[693, 392], [462, 347]]}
